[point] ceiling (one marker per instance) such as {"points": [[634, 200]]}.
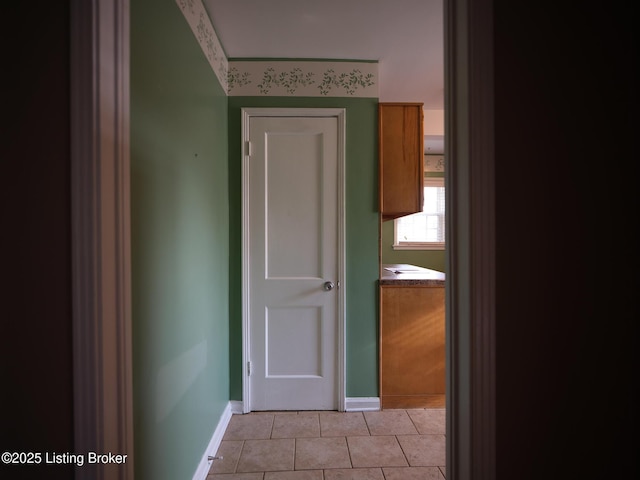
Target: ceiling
{"points": [[404, 36]]}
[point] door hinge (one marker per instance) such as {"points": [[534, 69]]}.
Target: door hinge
{"points": [[247, 148], [249, 369]]}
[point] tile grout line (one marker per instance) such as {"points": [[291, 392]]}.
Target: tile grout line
{"points": [[403, 452], [320, 428], [346, 441], [235, 469], [273, 423], [364, 417], [295, 452]]}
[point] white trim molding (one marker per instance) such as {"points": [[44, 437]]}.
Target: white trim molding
{"points": [[103, 406], [340, 114], [237, 406], [362, 404], [470, 283], [208, 457]]}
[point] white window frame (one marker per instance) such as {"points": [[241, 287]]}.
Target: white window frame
{"points": [[398, 245]]}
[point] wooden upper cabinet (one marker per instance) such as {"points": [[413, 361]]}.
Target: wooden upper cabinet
{"points": [[401, 163]]}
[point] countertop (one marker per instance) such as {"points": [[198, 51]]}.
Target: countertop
{"points": [[410, 275]]}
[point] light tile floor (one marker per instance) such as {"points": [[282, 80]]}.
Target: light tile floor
{"points": [[383, 445]]}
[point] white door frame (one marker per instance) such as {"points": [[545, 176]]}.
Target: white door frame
{"points": [[340, 115], [471, 240], [100, 235]]}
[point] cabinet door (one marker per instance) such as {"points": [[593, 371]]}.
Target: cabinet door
{"points": [[401, 150], [412, 347]]}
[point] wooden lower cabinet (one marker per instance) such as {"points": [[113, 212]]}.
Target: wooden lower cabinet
{"points": [[412, 346]]}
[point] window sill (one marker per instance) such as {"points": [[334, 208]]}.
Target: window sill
{"points": [[418, 246]]}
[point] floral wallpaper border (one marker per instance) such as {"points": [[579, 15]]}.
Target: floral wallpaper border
{"points": [[434, 163], [198, 19], [303, 78]]}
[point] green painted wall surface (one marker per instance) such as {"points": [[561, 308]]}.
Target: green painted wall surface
{"points": [[433, 259], [362, 236], [180, 225]]}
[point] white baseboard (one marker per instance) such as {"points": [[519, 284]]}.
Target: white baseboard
{"points": [[362, 404], [237, 407], [353, 404], [214, 443]]}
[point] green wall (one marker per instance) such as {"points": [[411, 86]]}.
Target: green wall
{"points": [[433, 259], [180, 243], [362, 236], [186, 241]]}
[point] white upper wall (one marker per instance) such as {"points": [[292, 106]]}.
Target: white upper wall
{"points": [[434, 122]]}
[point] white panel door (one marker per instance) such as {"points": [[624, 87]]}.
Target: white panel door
{"points": [[293, 267]]}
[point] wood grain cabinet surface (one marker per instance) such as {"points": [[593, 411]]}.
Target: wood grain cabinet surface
{"points": [[412, 346], [401, 158]]}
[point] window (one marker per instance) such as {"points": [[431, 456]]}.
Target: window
{"points": [[423, 230]]}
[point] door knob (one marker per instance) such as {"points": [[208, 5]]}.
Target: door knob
{"points": [[328, 286]]}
